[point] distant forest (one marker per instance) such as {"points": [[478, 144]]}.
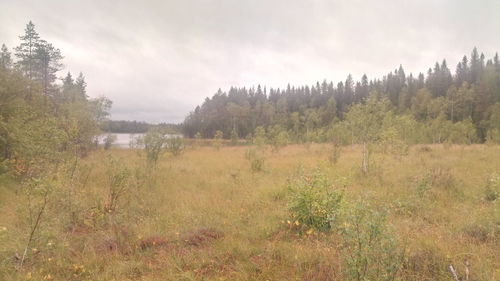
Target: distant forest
{"points": [[437, 107], [136, 127]]}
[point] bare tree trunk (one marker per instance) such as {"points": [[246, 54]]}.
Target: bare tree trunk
{"points": [[453, 272]]}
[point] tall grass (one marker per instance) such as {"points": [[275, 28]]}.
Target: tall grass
{"points": [[208, 216]]}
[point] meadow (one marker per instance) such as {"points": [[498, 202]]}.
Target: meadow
{"points": [[206, 214]]}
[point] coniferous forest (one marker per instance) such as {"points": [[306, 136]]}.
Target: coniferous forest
{"points": [[460, 105], [390, 179]]}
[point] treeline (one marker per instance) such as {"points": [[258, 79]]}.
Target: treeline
{"points": [[440, 106], [43, 118], [137, 127], [123, 126]]}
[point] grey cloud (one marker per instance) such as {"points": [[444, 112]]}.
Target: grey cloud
{"points": [[157, 59]]}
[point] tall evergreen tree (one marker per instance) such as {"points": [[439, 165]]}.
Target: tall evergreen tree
{"points": [[81, 85], [5, 57], [26, 51], [496, 62], [48, 63], [475, 66]]}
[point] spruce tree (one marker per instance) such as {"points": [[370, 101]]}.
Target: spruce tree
{"points": [[496, 63], [81, 86], [48, 63], [5, 58], [26, 51]]}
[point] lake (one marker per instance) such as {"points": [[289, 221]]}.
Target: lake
{"points": [[122, 140]]}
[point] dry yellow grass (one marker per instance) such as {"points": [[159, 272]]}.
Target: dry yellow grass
{"points": [[204, 215]]}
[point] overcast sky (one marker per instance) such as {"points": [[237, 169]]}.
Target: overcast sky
{"points": [[158, 59]]}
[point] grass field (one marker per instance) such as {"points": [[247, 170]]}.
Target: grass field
{"points": [[205, 215]]}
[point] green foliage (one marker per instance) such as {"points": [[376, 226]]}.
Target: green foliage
{"points": [[370, 250], [314, 202], [135, 127], [278, 137], [492, 190], [493, 124], [334, 154], [42, 122], [197, 140], [118, 184], [108, 140], [256, 158], [175, 145], [423, 186], [463, 132], [154, 142], [340, 133], [218, 138], [365, 122], [428, 104], [259, 137], [234, 137]]}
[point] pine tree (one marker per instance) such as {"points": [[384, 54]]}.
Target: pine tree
{"points": [[475, 66], [5, 58], [26, 51], [496, 63], [81, 86], [48, 63], [68, 81], [445, 79]]}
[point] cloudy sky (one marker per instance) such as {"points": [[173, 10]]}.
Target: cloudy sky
{"points": [[158, 59]]}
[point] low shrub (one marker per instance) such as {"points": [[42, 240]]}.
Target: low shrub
{"points": [[441, 177], [424, 149], [108, 141], [175, 145], [314, 201], [335, 152], [256, 159], [492, 190], [370, 250]]}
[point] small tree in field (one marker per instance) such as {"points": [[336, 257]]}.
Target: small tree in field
{"points": [[335, 153], [234, 137], [154, 142], [278, 137], [175, 145], [365, 122], [259, 136], [108, 141], [218, 139], [370, 250], [197, 140], [314, 201], [256, 159]]}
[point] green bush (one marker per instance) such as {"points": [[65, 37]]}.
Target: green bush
{"points": [[335, 152], [492, 191], [370, 251], [154, 142], [118, 183], [175, 145], [256, 160], [314, 201], [234, 137], [108, 141], [218, 137], [278, 137]]}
